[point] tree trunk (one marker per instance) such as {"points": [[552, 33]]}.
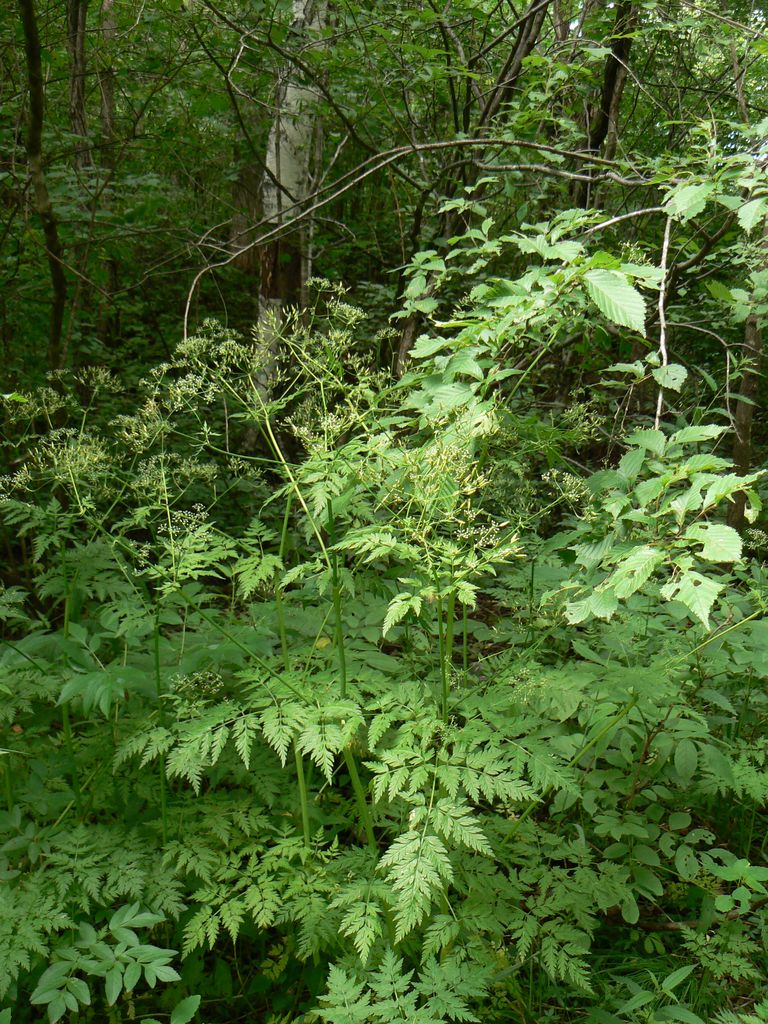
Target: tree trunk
{"points": [[528, 34], [77, 11], [53, 246], [107, 323], [743, 416], [285, 183], [603, 129]]}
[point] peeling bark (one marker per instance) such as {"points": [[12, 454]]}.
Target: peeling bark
{"points": [[285, 185]]}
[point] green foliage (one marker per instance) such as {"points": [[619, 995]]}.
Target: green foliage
{"points": [[398, 712]]}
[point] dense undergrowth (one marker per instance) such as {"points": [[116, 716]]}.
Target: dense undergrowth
{"points": [[358, 699]]}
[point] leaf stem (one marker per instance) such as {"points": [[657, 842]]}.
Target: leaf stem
{"points": [[339, 623], [303, 800], [362, 805]]}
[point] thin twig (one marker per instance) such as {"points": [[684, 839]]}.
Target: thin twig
{"points": [[663, 315], [372, 165], [622, 217]]}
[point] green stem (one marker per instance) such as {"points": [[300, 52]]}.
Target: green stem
{"points": [[531, 584], [8, 786], [574, 760], [465, 637], [241, 646], [299, 760], [450, 618], [441, 656], [303, 800], [66, 726], [362, 806], [162, 782], [339, 624], [280, 611]]}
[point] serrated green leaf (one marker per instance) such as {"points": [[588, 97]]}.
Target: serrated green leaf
{"points": [[603, 604], [616, 298], [720, 543], [637, 369], [398, 608], [634, 570], [672, 376], [653, 440], [466, 362], [591, 555], [426, 346], [631, 463], [688, 201], [752, 213], [698, 593], [694, 435], [417, 868], [719, 291]]}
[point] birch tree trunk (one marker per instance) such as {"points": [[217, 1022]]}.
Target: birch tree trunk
{"points": [[284, 261]]}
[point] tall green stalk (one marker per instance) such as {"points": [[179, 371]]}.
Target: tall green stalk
{"points": [[8, 785], [363, 809], [280, 612], [445, 630], [362, 804], [162, 782], [303, 798], [339, 624], [66, 725]]}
